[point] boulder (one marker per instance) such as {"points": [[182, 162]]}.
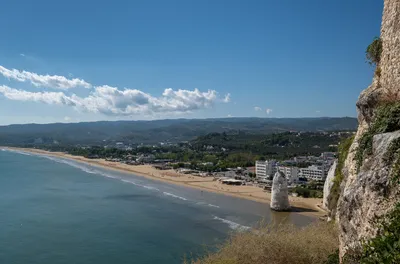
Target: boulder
{"points": [[279, 197]]}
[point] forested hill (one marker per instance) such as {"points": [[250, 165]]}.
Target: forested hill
{"points": [[173, 130], [276, 144]]}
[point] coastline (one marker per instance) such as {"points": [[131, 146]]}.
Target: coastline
{"points": [[305, 206]]}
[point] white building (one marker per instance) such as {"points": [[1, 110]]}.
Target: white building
{"points": [[316, 173], [291, 173], [266, 168]]}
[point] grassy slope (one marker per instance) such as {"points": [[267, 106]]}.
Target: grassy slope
{"points": [[277, 245]]}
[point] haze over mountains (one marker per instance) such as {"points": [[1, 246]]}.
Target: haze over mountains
{"points": [[169, 130]]}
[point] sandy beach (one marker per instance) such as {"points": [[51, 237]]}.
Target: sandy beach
{"points": [[306, 206]]}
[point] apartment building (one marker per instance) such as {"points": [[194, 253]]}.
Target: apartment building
{"points": [[266, 168], [313, 172], [291, 173]]}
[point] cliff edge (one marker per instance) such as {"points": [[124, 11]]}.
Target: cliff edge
{"points": [[367, 191]]}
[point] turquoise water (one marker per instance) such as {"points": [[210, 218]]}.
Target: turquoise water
{"points": [[55, 211]]}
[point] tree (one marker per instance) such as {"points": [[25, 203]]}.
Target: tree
{"points": [[374, 51]]}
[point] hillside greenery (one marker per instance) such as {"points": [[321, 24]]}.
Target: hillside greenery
{"points": [[222, 150], [277, 145], [151, 132]]}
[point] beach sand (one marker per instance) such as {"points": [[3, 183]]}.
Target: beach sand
{"points": [[306, 206]]}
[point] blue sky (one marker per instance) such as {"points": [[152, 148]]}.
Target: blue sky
{"points": [[70, 61]]}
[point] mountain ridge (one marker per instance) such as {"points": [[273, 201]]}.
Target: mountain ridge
{"points": [[169, 130]]}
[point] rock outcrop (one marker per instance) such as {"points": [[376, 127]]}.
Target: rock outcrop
{"points": [[370, 195], [328, 187], [364, 192], [279, 197]]}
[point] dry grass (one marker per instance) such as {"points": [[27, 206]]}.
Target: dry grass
{"points": [[277, 245]]}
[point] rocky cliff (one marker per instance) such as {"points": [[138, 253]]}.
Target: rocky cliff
{"points": [[366, 191], [326, 203]]}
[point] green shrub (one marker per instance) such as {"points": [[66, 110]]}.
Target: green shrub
{"points": [[307, 192], [333, 258], [386, 119], [385, 247], [392, 157], [374, 51]]}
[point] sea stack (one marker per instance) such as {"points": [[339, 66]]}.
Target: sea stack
{"points": [[280, 198]]}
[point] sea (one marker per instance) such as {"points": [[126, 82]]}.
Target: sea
{"points": [[56, 211]]}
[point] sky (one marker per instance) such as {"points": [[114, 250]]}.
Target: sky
{"points": [[74, 61]]}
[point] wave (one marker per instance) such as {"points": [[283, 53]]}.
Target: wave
{"points": [[207, 204], [150, 188], [72, 164], [232, 225], [18, 152], [127, 181], [175, 196]]}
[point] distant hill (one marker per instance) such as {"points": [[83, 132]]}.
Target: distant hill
{"points": [[169, 130]]}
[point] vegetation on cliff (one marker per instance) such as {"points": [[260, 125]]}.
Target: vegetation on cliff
{"points": [[386, 119], [277, 245], [374, 51], [385, 247], [393, 159]]}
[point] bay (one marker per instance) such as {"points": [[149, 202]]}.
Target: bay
{"points": [[55, 211]]}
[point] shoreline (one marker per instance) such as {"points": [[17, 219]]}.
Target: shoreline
{"points": [[305, 206]]}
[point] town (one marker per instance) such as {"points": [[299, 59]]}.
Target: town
{"points": [[304, 158]]}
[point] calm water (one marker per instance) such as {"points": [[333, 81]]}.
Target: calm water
{"points": [[56, 211]]}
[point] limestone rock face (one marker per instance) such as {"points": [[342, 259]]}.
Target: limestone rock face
{"points": [[279, 197], [328, 186], [371, 195], [390, 59], [367, 194]]}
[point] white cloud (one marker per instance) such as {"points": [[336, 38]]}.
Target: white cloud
{"points": [[229, 115], [43, 97], [22, 54], [112, 101], [67, 118], [257, 108], [227, 98], [47, 81], [317, 111], [268, 111]]}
